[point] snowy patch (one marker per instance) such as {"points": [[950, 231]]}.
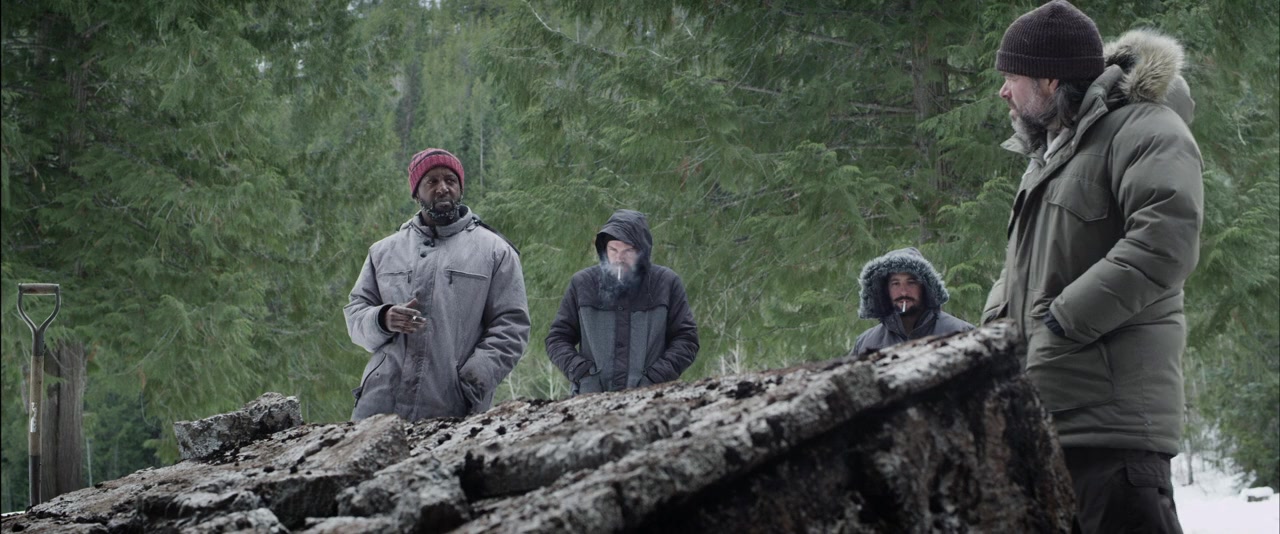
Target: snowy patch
{"points": [[1217, 501]]}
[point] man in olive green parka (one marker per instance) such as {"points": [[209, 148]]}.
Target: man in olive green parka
{"points": [[1104, 232]]}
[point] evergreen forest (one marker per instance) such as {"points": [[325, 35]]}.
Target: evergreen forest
{"points": [[203, 180]]}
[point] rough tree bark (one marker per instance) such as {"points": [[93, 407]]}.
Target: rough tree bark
{"points": [[934, 435], [62, 423]]}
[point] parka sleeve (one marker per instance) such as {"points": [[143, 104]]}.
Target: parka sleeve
{"points": [[857, 345], [362, 309], [997, 300], [682, 338], [506, 325], [1157, 183], [565, 334]]}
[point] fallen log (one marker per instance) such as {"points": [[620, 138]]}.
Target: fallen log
{"points": [[934, 435]]}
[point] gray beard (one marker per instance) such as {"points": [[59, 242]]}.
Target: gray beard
{"points": [[442, 218], [1033, 128], [612, 286]]}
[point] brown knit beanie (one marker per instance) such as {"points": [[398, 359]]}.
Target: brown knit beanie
{"points": [[1055, 41]]}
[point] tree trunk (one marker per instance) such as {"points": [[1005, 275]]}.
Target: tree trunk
{"points": [[62, 423]]}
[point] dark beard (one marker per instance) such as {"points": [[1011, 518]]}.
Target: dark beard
{"points": [[611, 288], [441, 218]]}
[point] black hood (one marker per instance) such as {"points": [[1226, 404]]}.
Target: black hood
{"points": [[630, 227]]}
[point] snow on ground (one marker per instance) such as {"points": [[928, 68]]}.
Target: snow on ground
{"points": [[1217, 503]]}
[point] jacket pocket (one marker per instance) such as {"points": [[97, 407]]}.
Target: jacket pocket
{"points": [[1083, 199], [393, 286], [456, 275], [377, 391], [1068, 375], [995, 312], [590, 383], [471, 397], [1143, 471]]}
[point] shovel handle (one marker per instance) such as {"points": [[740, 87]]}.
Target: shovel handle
{"points": [[37, 382], [38, 289]]}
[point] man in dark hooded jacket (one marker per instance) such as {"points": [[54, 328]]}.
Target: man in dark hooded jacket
{"points": [[625, 322], [904, 291]]}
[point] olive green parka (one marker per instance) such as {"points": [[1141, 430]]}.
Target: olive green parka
{"points": [[1103, 234]]}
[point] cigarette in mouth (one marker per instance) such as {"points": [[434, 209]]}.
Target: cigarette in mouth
{"points": [[619, 273], [904, 306]]}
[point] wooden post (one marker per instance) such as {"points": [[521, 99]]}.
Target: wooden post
{"points": [[62, 441]]}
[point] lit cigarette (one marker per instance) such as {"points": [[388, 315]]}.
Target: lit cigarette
{"points": [[904, 306], [619, 273], [418, 319]]}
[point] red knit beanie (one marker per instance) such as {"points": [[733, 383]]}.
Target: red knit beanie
{"points": [[429, 159], [1056, 41]]}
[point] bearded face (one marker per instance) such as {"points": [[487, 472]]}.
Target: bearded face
{"points": [[439, 195], [619, 270], [906, 293], [1031, 106]]}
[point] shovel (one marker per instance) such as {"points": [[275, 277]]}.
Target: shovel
{"points": [[37, 376]]}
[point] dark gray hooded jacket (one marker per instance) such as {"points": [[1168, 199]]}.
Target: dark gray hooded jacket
{"points": [[643, 336], [876, 304]]}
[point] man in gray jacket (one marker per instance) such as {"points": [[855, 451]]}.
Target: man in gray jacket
{"points": [[440, 303], [625, 322], [903, 291]]}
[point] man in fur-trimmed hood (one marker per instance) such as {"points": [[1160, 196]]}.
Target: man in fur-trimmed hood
{"points": [[1105, 230], [903, 291]]}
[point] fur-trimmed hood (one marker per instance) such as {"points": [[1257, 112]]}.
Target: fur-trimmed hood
{"points": [[1152, 64], [875, 274]]}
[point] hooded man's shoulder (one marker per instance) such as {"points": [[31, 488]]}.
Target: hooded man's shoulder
{"points": [[587, 275], [867, 339], [664, 275], [950, 324]]}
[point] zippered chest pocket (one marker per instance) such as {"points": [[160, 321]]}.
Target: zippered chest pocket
{"points": [[453, 276], [395, 286]]}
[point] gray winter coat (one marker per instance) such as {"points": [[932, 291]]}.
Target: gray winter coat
{"points": [[1104, 232], [876, 304], [644, 336], [470, 288]]}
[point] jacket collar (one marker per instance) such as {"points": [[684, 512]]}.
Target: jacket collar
{"points": [[467, 221], [924, 323]]}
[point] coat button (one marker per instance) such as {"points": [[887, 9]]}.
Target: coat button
{"points": [[423, 255]]}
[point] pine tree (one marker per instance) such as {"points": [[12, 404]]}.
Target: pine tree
{"points": [[779, 146], [159, 164]]}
